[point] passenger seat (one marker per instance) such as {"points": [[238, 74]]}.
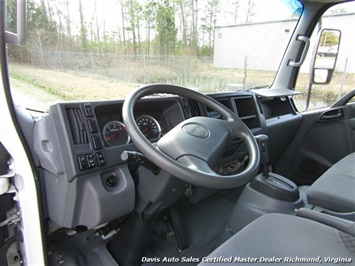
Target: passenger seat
{"points": [[282, 239], [335, 189]]}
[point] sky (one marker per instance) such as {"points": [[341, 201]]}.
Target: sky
{"points": [[108, 11], [264, 10]]}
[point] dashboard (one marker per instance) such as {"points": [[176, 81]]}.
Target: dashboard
{"points": [[98, 134], [79, 147]]}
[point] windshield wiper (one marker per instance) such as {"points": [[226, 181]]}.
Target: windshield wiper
{"points": [[35, 110], [258, 87]]}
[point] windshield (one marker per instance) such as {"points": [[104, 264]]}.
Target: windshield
{"points": [[95, 50]]}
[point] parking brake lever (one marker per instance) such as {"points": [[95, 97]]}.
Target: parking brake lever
{"points": [[262, 141], [133, 157]]}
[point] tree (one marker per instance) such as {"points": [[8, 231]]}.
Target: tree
{"points": [[339, 10], [11, 15], [44, 9], [250, 11], [209, 21], [187, 14], [149, 15], [122, 5], [329, 38], [165, 27], [50, 12], [181, 4], [194, 37], [237, 5], [83, 40], [97, 25], [132, 11], [60, 28], [138, 10], [41, 32], [67, 19], [132, 20]]}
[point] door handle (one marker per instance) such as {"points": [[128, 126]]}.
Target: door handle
{"points": [[332, 115]]}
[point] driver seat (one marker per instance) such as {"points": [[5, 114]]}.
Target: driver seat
{"points": [[280, 238]]}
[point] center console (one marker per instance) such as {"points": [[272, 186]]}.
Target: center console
{"points": [[266, 193]]}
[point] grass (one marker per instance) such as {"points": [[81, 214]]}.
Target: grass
{"points": [[69, 86], [116, 83], [39, 84]]}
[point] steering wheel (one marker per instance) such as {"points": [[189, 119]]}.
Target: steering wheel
{"points": [[190, 149]]}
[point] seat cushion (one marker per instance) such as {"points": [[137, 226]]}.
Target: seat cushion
{"points": [[281, 239], [335, 189]]}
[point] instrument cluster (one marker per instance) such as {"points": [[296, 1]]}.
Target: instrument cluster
{"points": [[114, 132]]}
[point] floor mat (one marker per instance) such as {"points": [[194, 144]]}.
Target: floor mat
{"points": [[202, 224]]}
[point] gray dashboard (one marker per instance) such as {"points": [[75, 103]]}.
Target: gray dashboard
{"points": [[79, 146]]}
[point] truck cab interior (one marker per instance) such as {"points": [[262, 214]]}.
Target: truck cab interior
{"points": [[172, 175]]}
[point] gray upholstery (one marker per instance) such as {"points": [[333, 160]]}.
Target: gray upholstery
{"points": [[335, 189], [290, 238]]}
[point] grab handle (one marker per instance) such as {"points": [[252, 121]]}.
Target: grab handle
{"points": [[304, 53]]}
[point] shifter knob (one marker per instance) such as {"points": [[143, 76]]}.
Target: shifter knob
{"points": [[262, 141]]}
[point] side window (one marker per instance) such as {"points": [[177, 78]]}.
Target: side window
{"points": [[336, 24]]}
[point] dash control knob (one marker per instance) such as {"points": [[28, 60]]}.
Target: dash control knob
{"points": [[111, 181]]}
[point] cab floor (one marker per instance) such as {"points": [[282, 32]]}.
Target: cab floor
{"points": [[202, 224]]}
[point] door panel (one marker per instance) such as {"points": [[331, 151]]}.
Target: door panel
{"points": [[323, 139]]}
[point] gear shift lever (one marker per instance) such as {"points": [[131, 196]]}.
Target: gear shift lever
{"points": [[262, 141], [276, 189]]}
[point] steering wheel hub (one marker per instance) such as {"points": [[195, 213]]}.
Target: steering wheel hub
{"points": [[197, 130]]}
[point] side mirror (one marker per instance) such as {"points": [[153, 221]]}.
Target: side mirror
{"points": [[20, 36], [325, 58]]}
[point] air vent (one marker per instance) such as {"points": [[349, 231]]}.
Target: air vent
{"points": [[77, 126], [195, 109]]}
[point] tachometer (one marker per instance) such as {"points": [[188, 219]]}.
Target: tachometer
{"points": [[115, 134], [149, 126]]}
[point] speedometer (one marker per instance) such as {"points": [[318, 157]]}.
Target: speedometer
{"points": [[149, 126], [115, 133]]}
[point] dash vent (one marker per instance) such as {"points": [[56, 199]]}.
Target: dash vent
{"points": [[195, 109], [77, 126]]}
